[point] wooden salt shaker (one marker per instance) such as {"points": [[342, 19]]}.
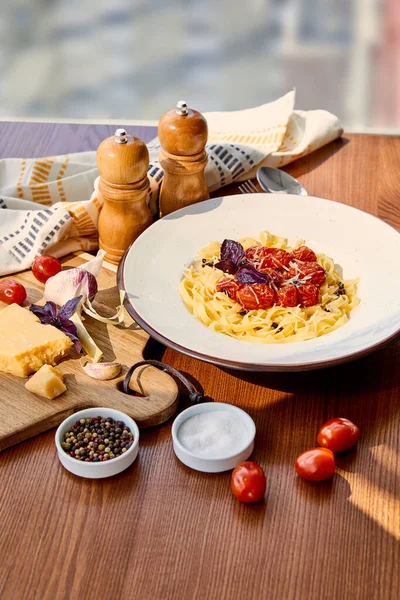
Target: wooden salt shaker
{"points": [[182, 132], [122, 161]]}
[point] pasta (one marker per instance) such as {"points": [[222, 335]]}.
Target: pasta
{"points": [[276, 324]]}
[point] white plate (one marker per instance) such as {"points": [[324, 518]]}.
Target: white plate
{"points": [[363, 245]]}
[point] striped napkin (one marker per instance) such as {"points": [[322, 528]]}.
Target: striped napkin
{"points": [[51, 205]]}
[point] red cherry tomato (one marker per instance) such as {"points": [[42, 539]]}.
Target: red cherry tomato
{"points": [[45, 267], [288, 296], [12, 292], [338, 435], [308, 294], [229, 287], [274, 277], [317, 464], [275, 258], [248, 482], [262, 257], [304, 253], [313, 271], [255, 253], [253, 297]]}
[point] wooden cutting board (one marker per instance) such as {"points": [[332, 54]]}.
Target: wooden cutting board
{"points": [[23, 414]]}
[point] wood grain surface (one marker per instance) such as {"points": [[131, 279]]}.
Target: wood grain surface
{"points": [[23, 414], [162, 531]]}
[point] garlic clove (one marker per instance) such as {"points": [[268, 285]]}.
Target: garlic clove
{"points": [[101, 371], [94, 266]]}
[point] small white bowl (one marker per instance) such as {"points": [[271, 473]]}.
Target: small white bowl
{"points": [[97, 470], [208, 464]]}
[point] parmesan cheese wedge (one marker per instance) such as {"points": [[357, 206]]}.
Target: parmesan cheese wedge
{"points": [[26, 344], [47, 382]]}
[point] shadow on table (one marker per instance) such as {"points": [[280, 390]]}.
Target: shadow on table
{"points": [[372, 373]]}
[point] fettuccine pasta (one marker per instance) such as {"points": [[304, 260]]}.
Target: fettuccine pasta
{"points": [[276, 324]]}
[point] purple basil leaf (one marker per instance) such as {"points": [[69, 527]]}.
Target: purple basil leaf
{"points": [[231, 250], [69, 328], [69, 308], [77, 345], [40, 311], [51, 309], [227, 266], [248, 274]]}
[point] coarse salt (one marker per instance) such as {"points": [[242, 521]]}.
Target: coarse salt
{"points": [[213, 434]]}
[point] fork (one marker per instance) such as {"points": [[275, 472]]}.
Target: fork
{"points": [[248, 187]]}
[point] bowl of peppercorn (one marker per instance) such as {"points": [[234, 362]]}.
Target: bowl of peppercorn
{"points": [[97, 442]]}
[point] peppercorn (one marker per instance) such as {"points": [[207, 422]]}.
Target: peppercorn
{"points": [[97, 439]]}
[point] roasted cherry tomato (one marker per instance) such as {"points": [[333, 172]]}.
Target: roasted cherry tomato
{"points": [[275, 258], [255, 253], [304, 253], [338, 435], [317, 464], [262, 257], [229, 287], [12, 292], [248, 482], [253, 297], [308, 295], [275, 278], [313, 271], [287, 296], [45, 267]]}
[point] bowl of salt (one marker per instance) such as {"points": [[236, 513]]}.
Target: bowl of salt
{"points": [[213, 437]]}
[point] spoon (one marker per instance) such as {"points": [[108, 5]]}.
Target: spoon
{"points": [[276, 181]]}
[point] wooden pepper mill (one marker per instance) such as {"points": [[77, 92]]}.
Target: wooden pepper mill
{"points": [[183, 135], [122, 161]]}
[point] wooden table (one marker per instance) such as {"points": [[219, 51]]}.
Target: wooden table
{"points": [[162, 531]]}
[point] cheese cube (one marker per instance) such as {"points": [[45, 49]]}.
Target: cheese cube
{"points": [[26, 344], [47, 382]]}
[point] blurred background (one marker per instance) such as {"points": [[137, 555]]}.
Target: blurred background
{"points": [[133, 59]]}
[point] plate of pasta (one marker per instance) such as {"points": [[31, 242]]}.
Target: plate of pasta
{"points": [[266, 282]]}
